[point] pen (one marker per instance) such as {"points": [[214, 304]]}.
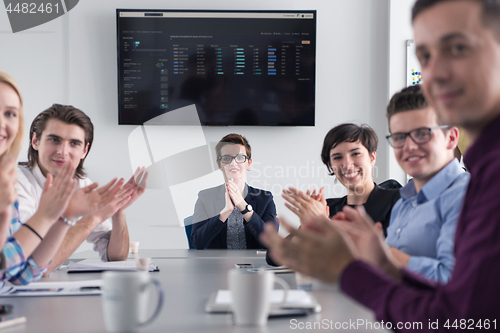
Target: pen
{"points": [[4, 322], [90, 288]]}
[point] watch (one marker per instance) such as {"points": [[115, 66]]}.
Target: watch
{"points": [[68, 221], [247, 209]]}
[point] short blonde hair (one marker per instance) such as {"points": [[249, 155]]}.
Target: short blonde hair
{"points": [[15, 148]]}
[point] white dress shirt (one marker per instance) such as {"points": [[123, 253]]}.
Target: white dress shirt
{"points": [[29, 190]]}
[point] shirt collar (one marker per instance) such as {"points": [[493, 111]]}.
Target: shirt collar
{"points": [[487, 143], [434, 187]]}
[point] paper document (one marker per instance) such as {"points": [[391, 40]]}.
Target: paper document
{"points": [[58, 288], [294, 297], [95, 265]]}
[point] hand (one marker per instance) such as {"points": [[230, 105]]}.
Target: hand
{"points": [[235, 195], [318, 249], [229, 204], [121, 200], [320, 196], [5, 220], [366, 238], [56, 193], [89, 200], [8, 178], [303, 205], [138, 187]]}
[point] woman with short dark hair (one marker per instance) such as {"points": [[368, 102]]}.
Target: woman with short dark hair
{"points": [[349, 153]]}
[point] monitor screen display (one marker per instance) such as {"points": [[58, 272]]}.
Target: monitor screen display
{"points": [[237, 67]]}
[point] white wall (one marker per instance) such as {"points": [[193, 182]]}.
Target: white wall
{"points": [[400, 32], [73, 60]]}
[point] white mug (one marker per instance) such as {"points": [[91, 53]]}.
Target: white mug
{"points": [[251, 295], [124, 298]]}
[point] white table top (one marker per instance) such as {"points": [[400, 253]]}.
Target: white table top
{"points": [[188, 277]]}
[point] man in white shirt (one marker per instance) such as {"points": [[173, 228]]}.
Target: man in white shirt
{"points": [[59, 134]]}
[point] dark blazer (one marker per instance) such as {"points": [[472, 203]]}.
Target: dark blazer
{"points": [[378, 206], [209, 232]]}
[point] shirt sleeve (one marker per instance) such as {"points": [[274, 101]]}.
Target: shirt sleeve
{"points": [[440, 268], [19, 270], [99, 237], [471, 293]]}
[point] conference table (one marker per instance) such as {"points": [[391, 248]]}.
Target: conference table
{"points": [[188, 278]]}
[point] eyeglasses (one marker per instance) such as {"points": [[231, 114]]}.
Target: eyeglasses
{"points": [[419, 136], [227, 159]]}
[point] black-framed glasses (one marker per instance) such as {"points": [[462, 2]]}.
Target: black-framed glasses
{"points": [[419, 136], [227, 159]]}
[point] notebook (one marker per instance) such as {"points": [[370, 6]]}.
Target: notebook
{"points": [[95, 265], [220, 301]]}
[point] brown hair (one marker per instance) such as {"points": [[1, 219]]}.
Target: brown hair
{"points": [[491, 12], [232, 138], [409, 99], [69, 115], [348, 133], [15, 148]]}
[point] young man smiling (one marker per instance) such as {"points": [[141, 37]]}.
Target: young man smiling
{"points": [[64, 134], [458, 46], [423, 221]]}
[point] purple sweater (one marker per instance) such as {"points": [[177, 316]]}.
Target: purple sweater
{"points": [[473, 292]]}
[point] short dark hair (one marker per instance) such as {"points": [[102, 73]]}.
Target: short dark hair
{"points": [[69, 115], [348, 133], [409, 99], [233, 138], [491, 12]]}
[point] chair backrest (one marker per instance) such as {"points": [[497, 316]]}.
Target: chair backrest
{"points": [[188, 225], [390, 184]]}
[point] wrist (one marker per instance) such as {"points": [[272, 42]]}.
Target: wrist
{"points": [[67, 221], [69, 215], [118, 217], [242, 205]]}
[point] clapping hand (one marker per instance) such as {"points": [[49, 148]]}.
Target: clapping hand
{"points": [[57, 192], [235, 195], [304, 205], [7, 183], [318, 249], [129, 193], [366, 238], [90, 199], [138, 184]]}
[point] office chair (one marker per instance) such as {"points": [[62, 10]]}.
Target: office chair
{"points": [[188, 225]]}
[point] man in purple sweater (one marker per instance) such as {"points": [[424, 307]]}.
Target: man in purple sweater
{"points": [[458, 46]]}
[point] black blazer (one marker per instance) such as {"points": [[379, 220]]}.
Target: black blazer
{"points": [[209, 232]]}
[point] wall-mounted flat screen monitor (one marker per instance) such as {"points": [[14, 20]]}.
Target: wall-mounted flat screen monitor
{"points": [[237, 67]]}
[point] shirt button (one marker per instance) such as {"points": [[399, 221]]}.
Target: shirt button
{"points": [[398, 231], [414, 204]]}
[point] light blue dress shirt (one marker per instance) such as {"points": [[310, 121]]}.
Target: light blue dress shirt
{"points": [[423, 224]]}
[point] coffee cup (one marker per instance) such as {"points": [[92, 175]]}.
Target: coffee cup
{"points": [[251, 295], [142, 263], [125, 296]]}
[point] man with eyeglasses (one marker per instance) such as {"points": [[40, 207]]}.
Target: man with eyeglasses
{"points": [[424, 220], [458, 47]]}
